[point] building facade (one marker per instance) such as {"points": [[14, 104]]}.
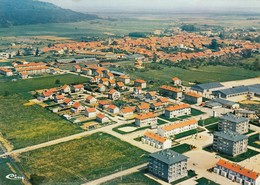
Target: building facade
{"points": [[230, 143], [168, 165], [237, 173], [177, 110], [146, 119], [233, 123], [156, 140]]}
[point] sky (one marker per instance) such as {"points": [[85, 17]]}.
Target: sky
{"points": [[169, 5]]}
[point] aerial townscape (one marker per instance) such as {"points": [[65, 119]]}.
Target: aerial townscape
{"points": [[129, 93]]}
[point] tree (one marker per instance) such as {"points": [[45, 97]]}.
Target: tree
{"points": [[256, 65], [214, 45], [57, 81], [37, 52], [6, 93]]}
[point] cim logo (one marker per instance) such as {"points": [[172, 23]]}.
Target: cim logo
{"points": [[13, 177]]}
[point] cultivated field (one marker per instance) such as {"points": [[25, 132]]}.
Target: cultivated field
{"points": [[202, 75], [81, 160], [29, 125], [24, 86]]}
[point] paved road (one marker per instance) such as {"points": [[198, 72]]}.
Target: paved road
{"points": [[116, 175]]}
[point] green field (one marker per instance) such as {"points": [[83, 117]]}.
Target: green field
{"points": [[137, 178], [208, 121], [6, 169], [24, 86], [182, 148], [30, 125], [188, 133], [205, 181], [250, 153], [254, 141], [81, 160], [202, 74], [87, 28]]}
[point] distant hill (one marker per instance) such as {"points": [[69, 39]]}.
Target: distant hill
{"points": [[23, 12]]}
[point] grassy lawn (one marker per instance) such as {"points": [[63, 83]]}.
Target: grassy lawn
{"points": [[213, 74], [241, 157], [195, 112], [168, 119], [208, 121], [212, 128], [29, 125], [161, 122], [117, 129], [24, 86], [205, 181], [249, 131], [188, 133], [81, 160], [182, 148], [191, 174], [137, 178], [6, 168], [252, 141]]}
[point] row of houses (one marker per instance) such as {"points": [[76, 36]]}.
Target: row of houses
{"points": [[176, 93]]}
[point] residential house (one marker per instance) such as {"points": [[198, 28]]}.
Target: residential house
{"points": [[23, 75], [76, 68], [246, 114], [6, 72], [114, 94], [124, 78], [176, 81], [120, 86], [151, 95], [112, 83], [101, 88], [102, 104], [170, 92], [193, 97], [127, 112], [233, 123], [168, 165], [67, 103], [113, 109], [101, 118], [65, 89], [59, 98], [230, 143], [77, 107], [237, 173], [143, 108], [91, 100], [104, 81], [157, 106], [78, 88], [91, 112], [156, 140], [140, 83], [177, 110], [86, 71], [109, 75], [177, 127], [146, 119], [164, 101]]}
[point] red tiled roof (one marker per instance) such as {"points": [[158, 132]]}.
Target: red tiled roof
{"points": [[177, 107], [155, 137]]}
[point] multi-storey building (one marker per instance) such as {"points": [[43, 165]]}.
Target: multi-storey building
{"points": [[237, 173], [177, 127], [233, 123], [146, 119], [170, 92], [177, 110], [231, 143], [168, 165], [156, 140], [193, 97]]}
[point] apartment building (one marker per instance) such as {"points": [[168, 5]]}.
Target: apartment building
{"points": [[146, 119], [233, 123], [168, 165], [177, 110], [230, 143], [156, 140]]}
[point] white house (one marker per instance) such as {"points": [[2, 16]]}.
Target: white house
{"points": [[91, 100], [127, 112], [113, 109], [102, 118], [114, 94], [146, 119], [237, 173], [65, 89], [140, 83], [91, 112], [156, 141], [177, 127], [78, 88], [177, 110]]}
